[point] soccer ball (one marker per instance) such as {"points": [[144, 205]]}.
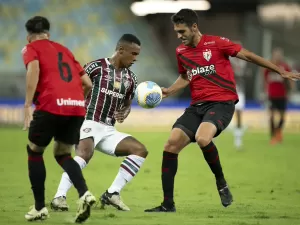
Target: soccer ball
{"points": [[148, 94]]}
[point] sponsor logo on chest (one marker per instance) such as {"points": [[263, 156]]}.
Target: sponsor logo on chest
{"points": [[203, 71]]}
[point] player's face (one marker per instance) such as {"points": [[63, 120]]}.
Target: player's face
{"points": [[129, 53], [277, 55], [184, 33]]}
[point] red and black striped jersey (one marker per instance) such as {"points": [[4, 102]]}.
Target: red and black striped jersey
{"points": [[208, 68]]}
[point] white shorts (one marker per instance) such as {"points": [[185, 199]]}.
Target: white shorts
{"points": [[241, 104], [106, 138]]}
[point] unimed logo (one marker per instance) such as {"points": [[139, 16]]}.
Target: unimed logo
{"points": [[69, 102]]}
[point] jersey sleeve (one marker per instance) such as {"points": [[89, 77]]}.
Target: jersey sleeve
{"points": [[228, 47], [181, 69], [131, 91], [92, 69], [29, 54]]}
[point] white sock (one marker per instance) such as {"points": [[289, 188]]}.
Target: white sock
{"points": [[238, 134], [128, 169], [65, 182]]}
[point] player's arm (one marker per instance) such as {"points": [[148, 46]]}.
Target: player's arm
{"points": [[252, 57], [181, 82], [86, 84], [32, 78], [124, 111]]}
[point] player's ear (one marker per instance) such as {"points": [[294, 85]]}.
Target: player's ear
{"points": [[48, 35], [28, 38], [121, 49], [194, 27]]}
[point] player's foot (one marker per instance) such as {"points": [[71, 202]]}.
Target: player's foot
{"points": [[224, 192], [59, 204], [113, 199], [163, 208], [278, 135], [34, 215], [84, 207], [274, 141]]}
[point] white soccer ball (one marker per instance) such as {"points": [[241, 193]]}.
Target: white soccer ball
{"points": [[148, 94]]}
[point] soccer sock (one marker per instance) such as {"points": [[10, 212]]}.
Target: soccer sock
{"points": [[128, 169], [73, 170], [272, 125], [211, 156], [37, 176], [281, 122], [65, 182], [238, 134], [169, 169]]}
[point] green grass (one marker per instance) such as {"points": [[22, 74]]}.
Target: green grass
{"points": [[264, 181]]}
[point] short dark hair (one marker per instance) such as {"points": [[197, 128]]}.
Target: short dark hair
{"points": [[37, 25], [130, 38], [187, 16]]}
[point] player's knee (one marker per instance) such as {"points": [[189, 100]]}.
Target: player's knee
{"points": [[139, 150], [203, 141], [35, 148], [172, 145], [85, 152]]}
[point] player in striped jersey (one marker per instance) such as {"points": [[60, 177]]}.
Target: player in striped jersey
{"points": [[110, 100]]}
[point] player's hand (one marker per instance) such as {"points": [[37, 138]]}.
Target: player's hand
{"points": [[119, 116], [290, 75], [165, 92], [27, 117]]}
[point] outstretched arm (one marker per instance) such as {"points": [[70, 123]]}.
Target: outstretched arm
{"points": [[181, 82], [251, 57]]}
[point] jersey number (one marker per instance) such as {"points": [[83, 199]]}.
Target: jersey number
{"points": [[61, 66]]}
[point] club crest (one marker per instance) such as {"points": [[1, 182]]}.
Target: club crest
{"points": [[207, 54]]}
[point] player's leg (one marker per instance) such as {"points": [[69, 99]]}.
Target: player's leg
{"points": [[238, 131], [40, 134], [182, 134], [282, 113], [65, 137], [216, 119], [90, 134], [120, 144], [272, 120]]}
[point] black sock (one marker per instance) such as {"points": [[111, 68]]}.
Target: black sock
{"points": [[280, 124], [211, 156], [37, 176], [72, 168], [272, 126], [168, 172]]}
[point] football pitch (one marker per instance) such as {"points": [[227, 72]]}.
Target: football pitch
{"points": [[264, 181]]}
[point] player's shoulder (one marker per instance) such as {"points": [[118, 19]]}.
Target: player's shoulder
{"points": [[181, 48], [132, 74], [94, 63]]}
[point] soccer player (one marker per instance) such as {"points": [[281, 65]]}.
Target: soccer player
{"points": [[54, 84], [113, 89], [277, 88], [203, 63], [239, 69]]}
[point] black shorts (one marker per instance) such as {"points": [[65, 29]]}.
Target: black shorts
{"points": [[278, 104], [45, 126], [217, 113]]}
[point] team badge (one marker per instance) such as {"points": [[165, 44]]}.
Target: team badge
{"points": [[117, 85], [87, 130], [207, 54]]}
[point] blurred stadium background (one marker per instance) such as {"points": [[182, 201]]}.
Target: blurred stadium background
{"points": [[91, 28], [264, 179]]}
